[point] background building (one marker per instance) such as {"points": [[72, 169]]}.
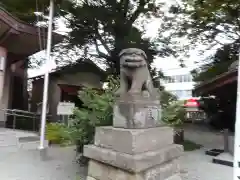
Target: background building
{"points": [[64, 84], [178, 81], [18, 40]]}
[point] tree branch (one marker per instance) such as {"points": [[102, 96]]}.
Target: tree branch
{"points": [[125, 9], [103, 55], [221, 31], [138, 11], [103, 43], [101, 39]]}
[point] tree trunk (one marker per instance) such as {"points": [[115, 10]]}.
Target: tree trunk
{"points": [[178, 135]]}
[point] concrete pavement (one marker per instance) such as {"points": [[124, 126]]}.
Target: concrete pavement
{"points": [[28, 165], [60, 163]]}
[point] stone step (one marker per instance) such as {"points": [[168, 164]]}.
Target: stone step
{"points": [[9, 141], [214, 152], [31, 145], [224, 159], [23, 146], [28, 139]]}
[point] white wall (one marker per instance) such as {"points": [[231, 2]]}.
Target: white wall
{"points": [[176, 71], [179, 86]]}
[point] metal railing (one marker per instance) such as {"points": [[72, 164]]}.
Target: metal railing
{"points": [[20, 119]]}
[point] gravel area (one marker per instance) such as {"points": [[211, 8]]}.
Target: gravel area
{"points": [[196, 165]]}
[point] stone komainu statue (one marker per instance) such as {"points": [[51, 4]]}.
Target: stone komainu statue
{"points": [[134, 73]]}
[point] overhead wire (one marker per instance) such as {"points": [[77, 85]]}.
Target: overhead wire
{"points": [[44, 35], [39, 28]]}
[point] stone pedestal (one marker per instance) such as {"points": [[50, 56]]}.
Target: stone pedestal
{"points": [[133, 154], [135, 111], [138, 146]]}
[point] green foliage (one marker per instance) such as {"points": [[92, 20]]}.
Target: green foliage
{"points": [[213, 23], [166, 98], [190, 146], [221, 61], [58, 133], [96, 111], [208, 15], [174, 114], [173, 111], [202, 21]]}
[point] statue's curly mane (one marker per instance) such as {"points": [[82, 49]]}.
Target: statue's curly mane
{"points": [[128, 60], [134, 73]]}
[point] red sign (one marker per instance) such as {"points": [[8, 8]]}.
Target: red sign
{"points": [[191, 103]]}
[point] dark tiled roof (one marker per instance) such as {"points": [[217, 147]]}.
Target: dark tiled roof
{"points": [[82, 65]]}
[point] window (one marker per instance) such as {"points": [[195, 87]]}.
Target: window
{"points": [[179, 78], [186, 78], [182, 93], [189, 93], [177, 93]]}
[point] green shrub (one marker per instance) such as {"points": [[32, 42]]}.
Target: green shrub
{"points": [[58, 133], [190, 146], [174, 114], [166, 98], [97, 110]]}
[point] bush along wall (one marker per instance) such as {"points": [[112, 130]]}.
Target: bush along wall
{"points": [[97, 110]]}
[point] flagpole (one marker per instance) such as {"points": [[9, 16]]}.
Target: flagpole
{"points": [[46, 77], [236, 163]]}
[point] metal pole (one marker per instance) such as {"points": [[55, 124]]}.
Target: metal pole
{"points": [[236, 170], [46, 77], [225, 140], [14, 120]]}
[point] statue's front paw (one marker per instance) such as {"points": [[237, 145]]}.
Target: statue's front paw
{"points": [[117, 93], [133, 91]]}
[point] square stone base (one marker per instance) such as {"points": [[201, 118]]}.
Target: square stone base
{"points": [[133, 141], [133, 154], [101, 171], [133, 163]]}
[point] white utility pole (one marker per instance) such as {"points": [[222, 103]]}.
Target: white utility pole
{"points": [[236, 175], [46, 77]]}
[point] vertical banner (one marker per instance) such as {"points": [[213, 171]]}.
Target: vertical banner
{"points": [[2, 63], [2, 74]]}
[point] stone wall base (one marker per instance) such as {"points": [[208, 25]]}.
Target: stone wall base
{"points": [[101, 171], [133, 154]]}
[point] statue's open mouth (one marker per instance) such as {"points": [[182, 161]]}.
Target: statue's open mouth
{"points": [[133, 60]]}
